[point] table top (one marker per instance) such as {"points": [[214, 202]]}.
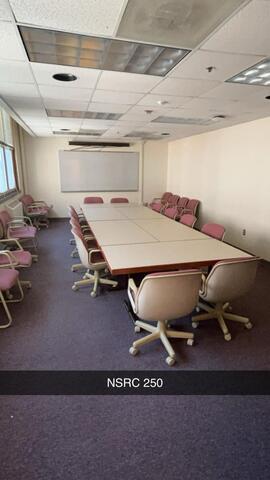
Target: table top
{"points": [[161, 256], [135, 239]]}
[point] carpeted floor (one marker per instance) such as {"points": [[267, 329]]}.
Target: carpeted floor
{"points": [[104, 438]]}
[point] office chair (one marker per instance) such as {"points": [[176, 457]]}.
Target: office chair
{"points": [[173, 200], [158, 204], [188, 220], [37, 210], [92, 260], [226, 281], [9, 277], [214, 230], [180, 206], [20, 228], [160, 298], [170, 212], [88, 238], [93, 200], [191, 207], [20, 257], [119, 200]]}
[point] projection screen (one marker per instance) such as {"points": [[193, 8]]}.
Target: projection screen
{"points": [[99, 171]]}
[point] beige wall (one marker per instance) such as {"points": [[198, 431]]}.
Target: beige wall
{"points": [[229, 172], [42, 179]]}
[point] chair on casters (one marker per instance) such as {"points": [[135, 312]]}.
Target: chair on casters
{"points": [[92, 260], [214, 230], [9, 277], [93, 200], [162, 297], [227, 280], [119, 200]]}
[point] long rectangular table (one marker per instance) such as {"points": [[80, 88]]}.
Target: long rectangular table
{"points": [[136, 239]]}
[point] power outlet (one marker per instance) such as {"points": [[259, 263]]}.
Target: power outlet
{"points": [[244, 232]]}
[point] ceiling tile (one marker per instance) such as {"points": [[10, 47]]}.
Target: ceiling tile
{"points": [[107, 96], [93, 17], [231, 91], [86, 77], [15, 72], [5, 11], [141, 113], [181, 23], [202, 105], [184, 87], [10, 46], [65, 92], [246, 32], [8, 89], [170, 101], [225, 65], [127, 82], [107, 107], [98, 124], [56, 122], [65, 104]]}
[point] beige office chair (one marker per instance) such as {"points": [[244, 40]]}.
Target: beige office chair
{"points": [[162, 297], [227, 280], [92, 260]]}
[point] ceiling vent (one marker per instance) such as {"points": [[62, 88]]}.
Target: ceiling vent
{"points": [[145, 135], [95, 133], [182, 121], [80, 114]]}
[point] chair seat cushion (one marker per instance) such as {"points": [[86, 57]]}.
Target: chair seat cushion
{"points": [[23, 257], [22, 232], [8, 278]]}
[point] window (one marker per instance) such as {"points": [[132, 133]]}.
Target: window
{"points": [[8, 182]]}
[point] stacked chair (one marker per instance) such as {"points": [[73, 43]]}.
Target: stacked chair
{"points": [[37, 210], [90, 256]]}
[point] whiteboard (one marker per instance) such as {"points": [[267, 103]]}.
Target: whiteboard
{"points": [[99, 171]]}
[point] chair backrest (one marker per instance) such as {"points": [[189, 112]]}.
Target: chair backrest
{"points": [[165, 197], [173, 200], [26, 200], [182, 202], [119, 200], [230, 279], [170, 211], [214, 230], [191, 206], [81, 245], [165, 296], [5, 218], [188, 220], [93, 200]]}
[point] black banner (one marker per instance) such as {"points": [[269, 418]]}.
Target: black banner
{"points": [[124, 382]]}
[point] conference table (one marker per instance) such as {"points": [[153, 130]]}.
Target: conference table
{"points": [[134, 239]]}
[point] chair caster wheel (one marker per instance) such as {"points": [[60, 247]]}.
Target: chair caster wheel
{"points": [[170, 361], [137, 329], [190, 341], [133, 351], [195, 324], [93, 294], [227, 337], [197, 309], [248, 325], [74, 288]]}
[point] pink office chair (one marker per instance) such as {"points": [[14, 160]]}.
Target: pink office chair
{"points": [[119, 200], [173, 200], [92, 260], [158, 204], [9, 277], [20, 228], [20, 257], [37, 210], [93, 200], [162, 297], [191, 207], [226, 281], [171, 212], [188, 220], [214, 230]]}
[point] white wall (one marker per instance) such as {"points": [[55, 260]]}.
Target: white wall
{"points": [[229, 172], [42, 179]]}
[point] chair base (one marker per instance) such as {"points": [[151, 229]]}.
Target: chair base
{"points": [[10, 300], [163, 333], [219, 312], [95, 279]]}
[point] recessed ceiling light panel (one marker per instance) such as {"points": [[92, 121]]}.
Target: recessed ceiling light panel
{"points": [[49, 46], [81, 114], [182, 121], [258, 74]]}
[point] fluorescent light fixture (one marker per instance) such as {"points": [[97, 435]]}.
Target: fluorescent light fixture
{"points": [[81, 114], [61, 48], [146, 135], [182, 121], [95, 133], [258, 74]]}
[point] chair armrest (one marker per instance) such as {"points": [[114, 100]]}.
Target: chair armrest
{"points": [[12, 262], [91, 254], [132, 293], [22, 219], [12, 240], [203, 285]]}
